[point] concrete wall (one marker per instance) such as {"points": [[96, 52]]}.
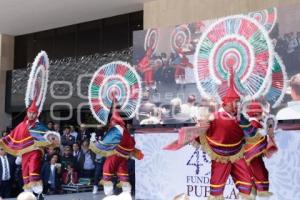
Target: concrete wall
{"points": [[162, 13], [6, 63]]}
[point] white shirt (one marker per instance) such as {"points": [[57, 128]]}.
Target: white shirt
{"points": [[4, 162], [291, 112], [76, 153], [74, 134]]}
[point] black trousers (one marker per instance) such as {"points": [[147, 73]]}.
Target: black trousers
{"points": [[5, 189], [98, 172], [88, 173]]}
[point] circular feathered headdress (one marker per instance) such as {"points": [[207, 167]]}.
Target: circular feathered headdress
{"points": [[238, 42], [38, 81], [114, 82]]}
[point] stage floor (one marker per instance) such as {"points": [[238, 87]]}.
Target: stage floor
{"points": [[75, 196]]}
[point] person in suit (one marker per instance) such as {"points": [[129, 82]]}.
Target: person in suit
{"points": [[86, 162], [50, 175], [7, 166], [76, 151], [67, 139], [49, 151], [84, 133]]}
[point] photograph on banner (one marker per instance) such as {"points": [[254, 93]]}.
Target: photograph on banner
{"points": [[184, 68]]}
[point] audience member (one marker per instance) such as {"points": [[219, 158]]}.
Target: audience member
{"points": [[292, 111], [50, 125], [67, 138], [7, 167], [76, 151], [57, 128], [74, 133], [86, 161], [50, 173], [49, 151], [70, 176], [84, 132], [67, 157]]}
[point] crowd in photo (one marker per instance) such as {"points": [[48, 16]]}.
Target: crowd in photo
{"points": [[70, 164], [288, 48], [176, 111]]}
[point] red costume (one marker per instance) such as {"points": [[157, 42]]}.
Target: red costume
{"points": [[144, 66], [180, 63], [116, 164], [27, 141], [224, 142], [256, 146], [118, 145]]}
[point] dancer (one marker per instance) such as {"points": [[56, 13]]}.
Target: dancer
{"points": [[30, 137], [118, 145], [146, 68], [28, 140], [224, 142], [108, 106], [180, 62], [256, 146]]}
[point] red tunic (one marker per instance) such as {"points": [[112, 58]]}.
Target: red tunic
{"points": [[224, 141], [145, 68], [116, 164], [225, 137]]}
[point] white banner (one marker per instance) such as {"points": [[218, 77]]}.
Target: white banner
{"points": [[162, 174]]}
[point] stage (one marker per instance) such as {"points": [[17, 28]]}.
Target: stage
{"points": [[75, 196]]}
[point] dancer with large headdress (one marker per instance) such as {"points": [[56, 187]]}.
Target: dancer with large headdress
{"points": [[30, 136], [180, 42], [146, 65], [114, 97], [233, 60]]}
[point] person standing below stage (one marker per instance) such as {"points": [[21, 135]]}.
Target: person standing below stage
{"points": [[99, 162], [56, 128], [28, 140], [76, 151], [50, 125], [224, 142], [68, 157], [86, 162], [7, 168], [50, 172], [84, 133]]}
